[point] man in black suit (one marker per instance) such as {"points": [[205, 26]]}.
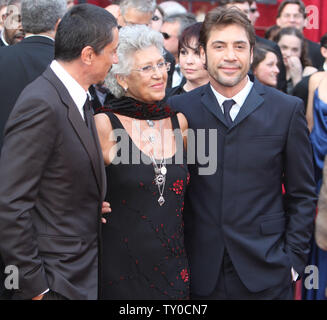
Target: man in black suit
{"points": [[22, 63], [51, 166], [291, 13], [244, 238], [12, 32]]}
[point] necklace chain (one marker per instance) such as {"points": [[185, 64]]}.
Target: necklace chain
{"points": [[161, 170]]}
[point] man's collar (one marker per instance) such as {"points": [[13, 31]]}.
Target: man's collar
{"points": [[239, 98], [3, 38]]}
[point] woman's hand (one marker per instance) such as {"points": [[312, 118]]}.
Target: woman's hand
{"points": [[105, 209], [295, 69]]}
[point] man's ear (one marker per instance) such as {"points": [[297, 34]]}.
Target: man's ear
{"points": [[203, 55], [57, 24], [278, 22], [87, 55]]}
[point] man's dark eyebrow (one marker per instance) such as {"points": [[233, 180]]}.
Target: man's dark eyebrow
{"points": [[235, 42]]}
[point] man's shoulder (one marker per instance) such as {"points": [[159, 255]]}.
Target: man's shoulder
{"points": [[266, 42], [40, 88], [281, 100], [190, 96]]}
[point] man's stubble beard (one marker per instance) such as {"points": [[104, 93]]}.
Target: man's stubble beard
{"points": [[225, 81]]}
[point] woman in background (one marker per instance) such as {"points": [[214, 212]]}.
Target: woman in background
{"points": [[295, 56], [317, 123], [192, 67], [265, 65]]}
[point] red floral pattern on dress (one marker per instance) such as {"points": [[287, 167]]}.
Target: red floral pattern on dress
{"points": [[178, 187], [184, 275]]}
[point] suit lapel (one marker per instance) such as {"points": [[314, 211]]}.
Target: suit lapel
{"points": [[210, 102], [83, 132], [252, 102]]}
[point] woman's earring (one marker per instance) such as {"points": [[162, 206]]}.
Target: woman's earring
{"points": [[126, 89]]}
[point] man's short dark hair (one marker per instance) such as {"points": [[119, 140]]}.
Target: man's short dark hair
{"points": [[286, 2], [83, 25], [221, 17]]}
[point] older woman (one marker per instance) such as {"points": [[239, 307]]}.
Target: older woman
{"points": [[143, 241], [192, 68]]}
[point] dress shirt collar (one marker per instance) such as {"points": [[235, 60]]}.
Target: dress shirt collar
{"points": [[239, 98], [3, 38], [38, 35], [75, 90]]}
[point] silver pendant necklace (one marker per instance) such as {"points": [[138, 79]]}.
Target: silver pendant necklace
{"points": [[160, 170]]}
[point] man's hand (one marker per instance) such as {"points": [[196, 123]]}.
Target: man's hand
{"points": [[40, 297], [105, 209]]}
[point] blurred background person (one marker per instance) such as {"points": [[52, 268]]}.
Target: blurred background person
{"points": [[321, 221], [172, 7], [192, 68], [143, 241], [323, 50], [291, 13], [272, 32], [295, 56], [12, 32], [3, 10], [70, 4], [254, 13], [114, 9], [137, 11], [301, 90], [28, 59], [317, 123], [265, 65], [171, 29], [157, 19]]}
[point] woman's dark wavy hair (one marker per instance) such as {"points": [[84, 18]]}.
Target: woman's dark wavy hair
{"points": [[291, 31], [190, 33], [259, 54]]}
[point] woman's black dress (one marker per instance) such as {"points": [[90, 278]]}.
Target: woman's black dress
{"points": [[143, 243]]}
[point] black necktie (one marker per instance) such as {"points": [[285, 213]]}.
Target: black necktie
{"points": [[227, 107], [87, 113]]}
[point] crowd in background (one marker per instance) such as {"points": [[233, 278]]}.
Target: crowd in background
{"points": [[284, 60]]}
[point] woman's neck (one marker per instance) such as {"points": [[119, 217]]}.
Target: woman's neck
{"points": [[191, 85]]}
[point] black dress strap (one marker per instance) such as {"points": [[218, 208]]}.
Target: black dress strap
{"points": [[115, 122]]}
